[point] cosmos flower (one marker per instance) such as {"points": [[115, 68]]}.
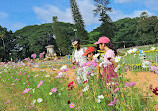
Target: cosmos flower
{"points": [[33, 56], [53, 89], [39, 100], [113, 102], [117, 58], [130, 84], [71, 105], [116, 90], [155, 91]]}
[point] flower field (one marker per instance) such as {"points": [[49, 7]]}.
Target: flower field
{"points": [[51, 86]]}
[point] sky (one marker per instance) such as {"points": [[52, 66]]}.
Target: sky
{"points": [[16, 14]]}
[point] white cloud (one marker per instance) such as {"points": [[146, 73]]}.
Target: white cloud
{"points": [[3, 15], [152, 4], [123, 1], [117, 14], [86, 7]]}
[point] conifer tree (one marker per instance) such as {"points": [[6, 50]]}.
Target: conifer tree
{"points": [[79, 23]]}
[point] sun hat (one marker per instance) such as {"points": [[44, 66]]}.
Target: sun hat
{"points": [[89, 50], [103, 40], [75, 41]]}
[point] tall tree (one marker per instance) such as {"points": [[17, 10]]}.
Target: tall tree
{"points": [[106, 27], [79, 23]]}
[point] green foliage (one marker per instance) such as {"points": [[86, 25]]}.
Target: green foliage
{"points": [[33, 39], [64, 34]]}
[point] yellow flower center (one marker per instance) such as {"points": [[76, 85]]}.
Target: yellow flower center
{"points": [[157, 92]]}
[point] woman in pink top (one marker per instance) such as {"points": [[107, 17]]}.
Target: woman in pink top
{"points": [[108, 64]]}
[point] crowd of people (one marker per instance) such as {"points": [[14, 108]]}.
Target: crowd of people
{"points": [[89, 60]]}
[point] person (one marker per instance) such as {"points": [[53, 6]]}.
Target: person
{"points": [[108, 65], [93, 61], [77, 58]]}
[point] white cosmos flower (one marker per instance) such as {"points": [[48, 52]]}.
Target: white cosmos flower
{"points": [[117, 58], [33, 102], [60, 74], [108, 84], [39, 100], [50, 93], [152, 48], [33, 90], [63, 67], [98, 100], [146, 64], [100, 97], [92, 74], [134, 50], [36, 76], [47, 75], [86, 88], [129, 51], [59, 94]]}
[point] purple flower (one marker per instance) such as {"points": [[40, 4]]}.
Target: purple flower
{"points": [[153, 68], [126, 68], [116, 90], [130, 84], [113, 102]]}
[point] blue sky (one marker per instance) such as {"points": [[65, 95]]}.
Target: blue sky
{"points": [[16, 14]]}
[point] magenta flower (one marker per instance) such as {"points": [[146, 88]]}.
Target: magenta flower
{"points": [[116, 90], [71, 105], [43, 52], [7, 102], [25, 91], [53, 89], [113, 102], [22, 64], [33, 56], [73, 67], [130, 84]]}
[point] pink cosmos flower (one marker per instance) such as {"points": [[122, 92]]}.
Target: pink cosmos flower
{"points": [[116, 90], [55, 58], [130, 84], [33, 56], [71, 105], [22, 64], [24, 73], [41, 82], [113, 102], [27, 59], [73, 67], [12, 84], [7, 102], [41, 55], [25, 91], [53, 89]]}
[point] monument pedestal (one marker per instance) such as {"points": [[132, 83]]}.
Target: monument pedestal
{"points": [[50, 52]]}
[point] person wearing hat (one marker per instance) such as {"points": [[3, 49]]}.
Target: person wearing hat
{"points": [[77, 58], [108, 65], [93, 61]]}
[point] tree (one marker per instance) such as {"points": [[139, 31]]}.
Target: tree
{"points": [[106, 28], [79, 23]]}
